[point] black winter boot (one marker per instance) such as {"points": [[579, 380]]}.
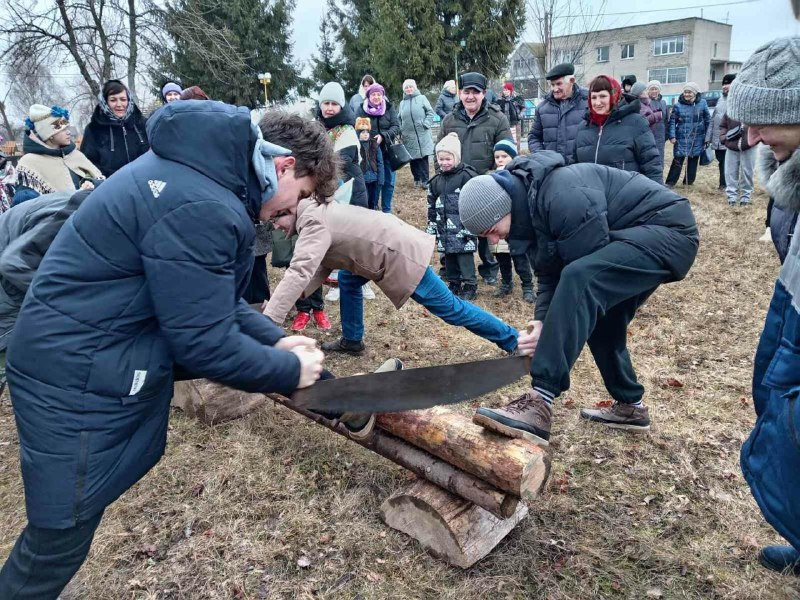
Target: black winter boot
{"points": [[455, 287], [528, 294], [343, 345], [469, 291], [504, 289]]}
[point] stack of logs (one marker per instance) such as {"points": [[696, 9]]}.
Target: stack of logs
{"points": [[471, 484]]}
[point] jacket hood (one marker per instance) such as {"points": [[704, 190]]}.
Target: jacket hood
{"points": [[212, 138], [534, 168], [782, 179], [531, 171]]}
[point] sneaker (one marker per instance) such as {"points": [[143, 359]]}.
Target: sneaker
{"points": [[343, 345], [366, 290], [620, 416], [783, 559], [528, 295], [528, 417], [469, 291], [767, 237], [301, 321], [455, 287], [503, 290], [321, 320], [360, 425], [332, 295]]}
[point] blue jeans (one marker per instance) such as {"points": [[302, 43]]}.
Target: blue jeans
{"points": [[433, 294], [387, 191]]}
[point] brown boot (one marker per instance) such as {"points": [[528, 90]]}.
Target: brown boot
{"points": [[620, 416], [528, 417]]}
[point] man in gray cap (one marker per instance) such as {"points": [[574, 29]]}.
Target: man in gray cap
{"points": [[556, 121], [479, 125], [604, 240], [766, 97]]}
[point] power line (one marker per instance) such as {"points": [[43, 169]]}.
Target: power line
{"points": [[656, 10]]}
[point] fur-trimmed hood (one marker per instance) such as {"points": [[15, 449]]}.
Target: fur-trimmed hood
{"points": [[781, 180]]}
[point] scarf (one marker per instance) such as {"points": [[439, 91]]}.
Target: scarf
{"points": [[616, 91], [110, 113], [264, 165], [46, 170], [371, 109]]}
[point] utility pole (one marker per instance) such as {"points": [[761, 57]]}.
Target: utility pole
{"points": [[547, 51]]}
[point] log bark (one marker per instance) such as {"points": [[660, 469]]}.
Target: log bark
{"points": [[213, 403], [512, 465], [446, 525], [425, 466]]}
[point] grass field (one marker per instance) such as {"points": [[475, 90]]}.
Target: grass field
{"points": [[273, 506]]}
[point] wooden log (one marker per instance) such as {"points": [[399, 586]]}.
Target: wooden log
{"points": [[446, 525], [213, 403], [517, 466], [424, 465]]}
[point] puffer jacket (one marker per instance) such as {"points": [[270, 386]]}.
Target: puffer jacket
{"points": [[770, 457], [416, 119], [575, 210], [739, 143], [783, 215], [445, 103], [387, 125], [555, 123], [688, 125], [112, 143], [478, 135], [443, 219], [624, 141], [148, 274]]}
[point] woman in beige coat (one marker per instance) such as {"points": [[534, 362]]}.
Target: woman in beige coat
{"points": [[370, 246]]}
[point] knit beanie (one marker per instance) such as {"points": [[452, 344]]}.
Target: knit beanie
{"points": [[332, 92], [46, 121], [363, 123], [654, 83], [450, 144], [170, 87], [767, 89], [408, 82], [482, 203], [638, 88], [691, 85], [506, 146], [728, 79]]}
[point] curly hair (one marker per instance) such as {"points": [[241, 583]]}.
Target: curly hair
{"points": [[311, 147]]}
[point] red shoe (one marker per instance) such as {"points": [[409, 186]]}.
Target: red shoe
{"points": [[301, 321], [321, 319]]}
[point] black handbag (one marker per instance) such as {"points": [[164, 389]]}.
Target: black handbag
{"points": [[707, 157], [398, 156]]}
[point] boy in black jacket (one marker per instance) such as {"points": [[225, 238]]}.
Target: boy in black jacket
{"points": [[457, 244]]}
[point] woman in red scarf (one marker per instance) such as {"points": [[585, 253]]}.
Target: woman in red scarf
{"points": [[615, 134]]}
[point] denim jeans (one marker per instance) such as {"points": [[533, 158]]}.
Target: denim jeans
{"points": [[387, 191], [433, 294]]}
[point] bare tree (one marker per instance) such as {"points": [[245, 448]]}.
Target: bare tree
{"points": [[99, 38], [567, 28]]}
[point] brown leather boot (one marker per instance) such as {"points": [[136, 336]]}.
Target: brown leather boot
{"points": [[528, 417]]}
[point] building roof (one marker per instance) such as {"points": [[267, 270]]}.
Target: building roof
{"points": [[534, 48], [558, 37]]}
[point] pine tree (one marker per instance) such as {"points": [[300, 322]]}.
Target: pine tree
{"points": [[222, 45], [325, 65]]}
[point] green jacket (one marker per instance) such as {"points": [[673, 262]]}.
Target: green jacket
{"points": [[478, 135]]}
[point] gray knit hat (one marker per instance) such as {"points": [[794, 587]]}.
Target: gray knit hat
{"points": [[332, 92], [482, 203], [766, 90], [638, 88]]}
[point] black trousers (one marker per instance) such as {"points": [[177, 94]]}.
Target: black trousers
{"points": [[460, 268], [420, 169], [720, 156], [43, 561], [676, 167], [488, 268], [258, 289], [770, 204], [312, 302], [596, 298], [522, 265]]}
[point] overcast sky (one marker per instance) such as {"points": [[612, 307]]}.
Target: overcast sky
{"points": [[754, 21]]}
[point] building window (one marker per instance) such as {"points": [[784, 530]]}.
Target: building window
{"points": [[627, 51], [567, 55], [669, 45], [669, 75], [602, 54], [715, 49]]}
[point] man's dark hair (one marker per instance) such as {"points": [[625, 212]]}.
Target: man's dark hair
{"points": [[113, 86], [311, 147]]}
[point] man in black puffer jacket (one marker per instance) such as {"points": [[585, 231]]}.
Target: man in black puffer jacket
{"points": [[605, 240]]}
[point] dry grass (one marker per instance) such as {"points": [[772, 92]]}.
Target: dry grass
{"points": [[230, 510]]}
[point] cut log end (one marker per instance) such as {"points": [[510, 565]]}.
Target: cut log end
{"points": [[447, 526]]}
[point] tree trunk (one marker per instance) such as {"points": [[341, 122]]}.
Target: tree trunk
{"points": [[512, 465], [73, 48], [447, 526], [133, 54]]}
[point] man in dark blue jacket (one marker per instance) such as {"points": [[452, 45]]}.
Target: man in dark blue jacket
{"points": [[605, 239], [766, 96], [148, 275]]}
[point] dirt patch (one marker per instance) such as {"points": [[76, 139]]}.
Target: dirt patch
{"points": [[273, 506]]}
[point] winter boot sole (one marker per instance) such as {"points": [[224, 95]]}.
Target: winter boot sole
{"points": [[482, 417], [632, 427]]}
